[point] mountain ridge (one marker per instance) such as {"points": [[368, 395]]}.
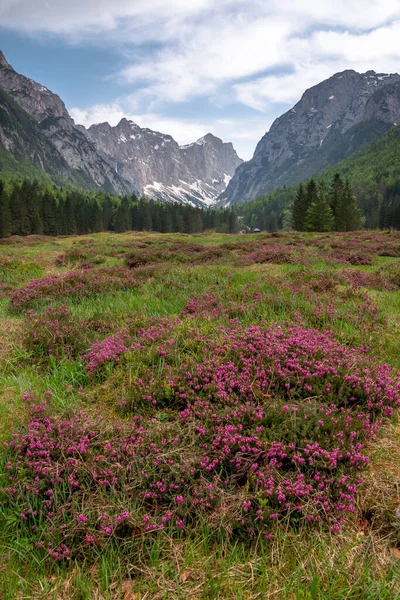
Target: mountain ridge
{"points": [[124, 159], [331, 120]]}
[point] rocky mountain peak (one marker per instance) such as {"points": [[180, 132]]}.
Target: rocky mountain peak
{"points": [[70, 142], [3, 61], [330, 121], [126, 158], [158, 167]]}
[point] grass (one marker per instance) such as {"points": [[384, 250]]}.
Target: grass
{"points": [[194, 289]]}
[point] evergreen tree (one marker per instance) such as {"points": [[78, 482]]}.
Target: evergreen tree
{"points": [[354, 219], [5, 213], [69, 215], [319, 216], [50, 214], [146, 216], [287, 220], [299, 209], [122, 216], [32, 199], [336, 193], [19, 215], [108, 212], [233, 222]]}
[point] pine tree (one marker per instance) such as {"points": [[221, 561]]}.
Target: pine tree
{"points": [[32, 198], [299, 209], [287, 220], [70, 221], [5, 213], [123, 217], [146, 216], [233, 222], [319, 216], [19, 215], [353, 219], [336, 193], [50, 214]]}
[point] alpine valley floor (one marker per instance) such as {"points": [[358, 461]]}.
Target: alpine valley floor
{"points": [[206, 416]]}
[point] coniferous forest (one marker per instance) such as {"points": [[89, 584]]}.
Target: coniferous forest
{"points": [[32, 208]]}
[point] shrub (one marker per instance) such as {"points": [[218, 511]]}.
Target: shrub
{"points": [[56, 333], [76, 284]]}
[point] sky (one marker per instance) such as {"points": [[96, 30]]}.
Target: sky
{"points": [[189, 67]]}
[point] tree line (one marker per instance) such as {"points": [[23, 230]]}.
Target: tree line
{"points": [[326, 207], [28, 208]]}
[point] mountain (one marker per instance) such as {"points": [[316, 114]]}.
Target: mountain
{"points": [[373, 172], [24, 146], [156, 166], [122, 160], [49, 112], [332, 120]]}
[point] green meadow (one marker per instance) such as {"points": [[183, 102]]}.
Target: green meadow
{"points": [[204, 416]]}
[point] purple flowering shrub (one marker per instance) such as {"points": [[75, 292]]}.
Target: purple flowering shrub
{"points": [[77, 284], [55, 332], [257, 425]]}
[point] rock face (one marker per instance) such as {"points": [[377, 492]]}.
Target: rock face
{"points": [[332, 120], [121, 160], [23, 139], [156, 166], [49, 111]]}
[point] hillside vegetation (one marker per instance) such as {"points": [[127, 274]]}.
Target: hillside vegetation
{"points": [[374, 174]]}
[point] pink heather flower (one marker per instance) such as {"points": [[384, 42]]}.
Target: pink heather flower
{"points": [[246, 505], [89, 538], [81, 518], [285, 408], [179, 500]]}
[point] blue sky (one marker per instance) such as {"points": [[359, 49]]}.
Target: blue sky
{"points": [[187, 67]]}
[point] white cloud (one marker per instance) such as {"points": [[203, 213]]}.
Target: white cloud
{"points": [[223, 52], [59, 16], [259, 53], [319, 56]]}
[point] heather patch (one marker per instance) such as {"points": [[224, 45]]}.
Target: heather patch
{"points": [[268, 424], [222, 392], [73, 284], [55, 333]]}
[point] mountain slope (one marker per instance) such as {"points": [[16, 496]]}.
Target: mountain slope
{"points": [[332, 120], [156, 166], [373, 172], [49, 112], [122, 160], [23, 140]]}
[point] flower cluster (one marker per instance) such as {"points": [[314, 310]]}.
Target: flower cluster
{"points": [[77, 284], [267, 423], [55, 332]]}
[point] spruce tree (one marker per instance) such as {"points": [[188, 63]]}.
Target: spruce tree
{"points": [[19, 215], [336, 193], [299, 209], [233, 222], [123, 217], [5, 213], [50, 214], [108, 211], [354, 217], [319, 215], [69, 214]]}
